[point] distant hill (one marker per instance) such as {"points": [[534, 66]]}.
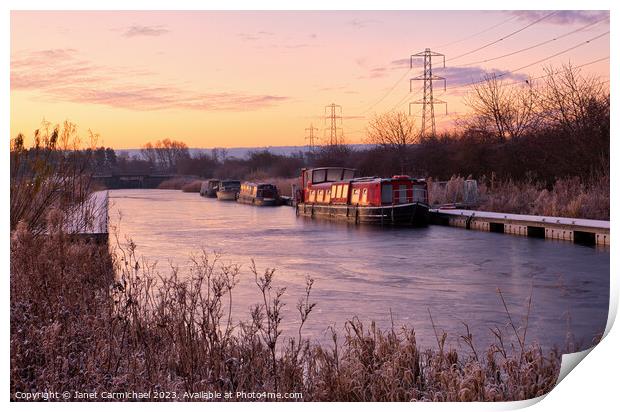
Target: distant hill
{"points": [[242, 152]]}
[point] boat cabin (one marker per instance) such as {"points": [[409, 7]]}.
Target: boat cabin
{"points": [[337, 186], [259, 190], [229, 185], [209, 187]]}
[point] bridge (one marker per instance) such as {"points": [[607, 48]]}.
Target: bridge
{"points": [[131, 180]]}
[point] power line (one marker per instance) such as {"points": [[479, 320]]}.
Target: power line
{"points": [[402, 99], [531, 64], [562, 52], [391, 89], [535, 45], [386, 94], [550, 74], [478, 33], [503, 38]]}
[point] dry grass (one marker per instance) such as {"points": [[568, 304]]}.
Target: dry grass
{"points": [[82, 319], [284, 185], [192, 187], [569, 197], [184, 183]]}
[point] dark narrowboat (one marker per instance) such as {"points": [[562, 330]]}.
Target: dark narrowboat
{"points": [[228, 190], [259, 194], [209, 188], [334, 193]]}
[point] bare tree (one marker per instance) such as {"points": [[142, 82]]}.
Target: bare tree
{"points": [[571, 100], [148, 153], [394, 130], [507, 111], [165, 154]]}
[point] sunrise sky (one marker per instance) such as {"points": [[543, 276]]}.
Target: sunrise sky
{"points": [[242, 78]]}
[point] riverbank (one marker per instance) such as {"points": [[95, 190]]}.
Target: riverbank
{"points": [[105, 322], [191, 184], [568, 197]]}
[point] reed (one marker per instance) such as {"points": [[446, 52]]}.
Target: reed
{"points": [[192, 187], [567, 197], [86, 318], [184, 183], [285, 185]]}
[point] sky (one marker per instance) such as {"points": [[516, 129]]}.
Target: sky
{"points": [[260, 78]]}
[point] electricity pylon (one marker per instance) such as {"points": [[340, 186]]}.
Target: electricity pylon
{"points": [[310, 136], [428, 102], [333, 134]]}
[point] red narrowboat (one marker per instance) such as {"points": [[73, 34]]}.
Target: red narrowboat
{"points": [[334, 193]]}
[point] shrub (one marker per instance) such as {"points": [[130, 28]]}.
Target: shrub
{"points": [[77, 324]]}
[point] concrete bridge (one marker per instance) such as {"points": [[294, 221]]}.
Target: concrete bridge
{"points": [[131, 180]]}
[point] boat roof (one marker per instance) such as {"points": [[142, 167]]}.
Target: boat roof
{"points": [[331, 167], [367, 179], [259, 184]]}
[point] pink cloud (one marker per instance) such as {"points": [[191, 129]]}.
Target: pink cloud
{"points": [[59, 74], [150, 31]]}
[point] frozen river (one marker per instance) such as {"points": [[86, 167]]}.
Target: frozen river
{"points": [[380, 274]]}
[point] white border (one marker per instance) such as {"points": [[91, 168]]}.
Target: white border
{"points": [[590, 386]]}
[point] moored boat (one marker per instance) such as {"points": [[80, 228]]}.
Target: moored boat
{"points": [[334, 193], [228, 190], [259, 194], [209, 188]]}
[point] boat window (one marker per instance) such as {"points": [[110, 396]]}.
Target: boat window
{"points": [[334, 175], [333, 193], [338, 191], [345, 191], [312, 196], [386, 193], [319, 176], [419, 194], [355, 196], [327, 197], [364, 196], [402, 193], [319, 196]]}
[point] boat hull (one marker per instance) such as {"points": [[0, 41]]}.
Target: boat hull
{"points": [[209, 193], [258, 201], [230, 196], [409, 214]]}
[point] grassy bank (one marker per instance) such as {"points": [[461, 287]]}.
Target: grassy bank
{"points": [[185, 183], [567, 197], [84, 319], [192, 184]]}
